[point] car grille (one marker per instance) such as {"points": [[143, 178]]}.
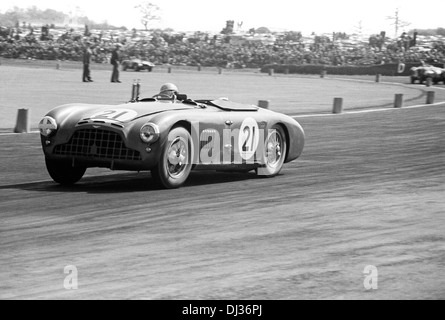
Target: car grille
{"points": [[94, 143]]}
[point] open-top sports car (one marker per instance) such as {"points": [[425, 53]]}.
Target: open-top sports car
{"points": [[168, 137], [137, 65], [422, 73]]}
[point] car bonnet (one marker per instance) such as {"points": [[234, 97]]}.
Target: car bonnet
{"points": [[128, 112]]}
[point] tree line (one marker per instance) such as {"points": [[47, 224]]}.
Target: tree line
{"points": [[19, 17]]}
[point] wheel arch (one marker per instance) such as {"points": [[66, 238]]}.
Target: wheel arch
{"points": [[182, 123]]}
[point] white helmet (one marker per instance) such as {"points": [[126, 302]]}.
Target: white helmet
{"points": [[169, 87]]}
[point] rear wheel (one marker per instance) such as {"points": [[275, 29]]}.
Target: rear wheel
{"points": [[63, 172], [275, 149], [175, 163]]}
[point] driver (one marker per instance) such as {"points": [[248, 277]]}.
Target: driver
{"points": [[167, 91]]}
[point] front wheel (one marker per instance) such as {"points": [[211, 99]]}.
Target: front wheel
{"points": [[175, 162], [274, 154], [63, 172]]}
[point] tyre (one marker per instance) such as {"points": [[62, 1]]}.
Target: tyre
{"points": [[63, 172], [175, 163], [274, 154]]}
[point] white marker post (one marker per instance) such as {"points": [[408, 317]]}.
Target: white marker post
{"points": [[430, 97], [338, 105], [263, 104], [398, 100], [22, 125]]}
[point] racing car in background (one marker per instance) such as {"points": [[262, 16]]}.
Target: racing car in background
{"points": [[137, 65], [422, 73], [169, 138]]}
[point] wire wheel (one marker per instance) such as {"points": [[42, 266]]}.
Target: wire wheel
{"points": [[177, 157], [275, 149], [175, 163]]}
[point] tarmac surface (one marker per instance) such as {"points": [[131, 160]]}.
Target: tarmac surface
{"points": [[367, 191]]}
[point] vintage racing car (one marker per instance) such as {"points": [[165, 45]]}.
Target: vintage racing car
{"points": [[137, 65], [169, 138], [422, 73]]}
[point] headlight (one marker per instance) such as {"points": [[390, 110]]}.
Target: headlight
{"points": [[149, 133], [47, 126]]}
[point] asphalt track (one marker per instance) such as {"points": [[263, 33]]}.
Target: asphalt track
{"points": [[368, 190]]}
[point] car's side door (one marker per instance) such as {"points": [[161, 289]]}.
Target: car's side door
{"points": [[244, 137]]}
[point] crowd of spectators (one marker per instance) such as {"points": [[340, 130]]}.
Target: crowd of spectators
{"points": [[207, 50], [67, 46]]}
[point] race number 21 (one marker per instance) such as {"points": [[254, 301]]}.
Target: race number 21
{"points": [[248, 138], [117, 115]]}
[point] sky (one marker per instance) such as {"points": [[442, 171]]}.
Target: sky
{"points": [[278, 15]]}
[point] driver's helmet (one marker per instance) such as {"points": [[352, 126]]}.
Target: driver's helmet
{"points": [[168, 87], [167, 91]]}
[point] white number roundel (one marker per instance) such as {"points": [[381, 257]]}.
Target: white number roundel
{"points": [[117, 115], [248, 138]]}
